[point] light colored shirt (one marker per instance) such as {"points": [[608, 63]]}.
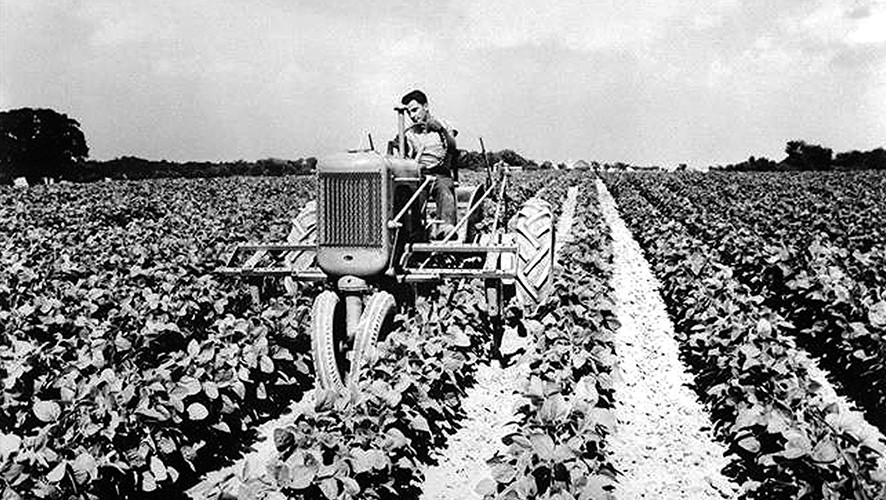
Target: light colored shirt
{"points": [[426, 146]]}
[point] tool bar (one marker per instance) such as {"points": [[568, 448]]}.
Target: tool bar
{"points": [[459, 248], [275, 247], [307, 275], [436, 274]]}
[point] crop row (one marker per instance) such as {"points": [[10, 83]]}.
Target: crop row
{"points": [[126, 366], [559, 449], [834, 300], [785, 441]]}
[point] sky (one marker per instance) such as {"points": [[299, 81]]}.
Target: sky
{"points": [[702, 82]]}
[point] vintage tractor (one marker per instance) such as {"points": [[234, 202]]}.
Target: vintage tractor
{"points": [[365, 238]]}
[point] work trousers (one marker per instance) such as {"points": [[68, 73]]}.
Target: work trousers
{"points": [[443, 189]]}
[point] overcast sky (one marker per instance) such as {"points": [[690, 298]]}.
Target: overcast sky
{"points": [[646, 82]]}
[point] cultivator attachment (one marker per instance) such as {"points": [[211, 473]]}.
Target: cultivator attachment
{"points": [[364, 238]]}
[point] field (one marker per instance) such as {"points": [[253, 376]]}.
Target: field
{"points": [[130, 370]]}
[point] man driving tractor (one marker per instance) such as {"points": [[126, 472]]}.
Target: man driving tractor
{"points": [[431, 141]]}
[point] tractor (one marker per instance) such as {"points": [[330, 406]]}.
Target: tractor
{"points": [[365, 239]]}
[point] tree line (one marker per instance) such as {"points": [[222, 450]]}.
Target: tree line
{"points": [[804, 156], [42, 144]]}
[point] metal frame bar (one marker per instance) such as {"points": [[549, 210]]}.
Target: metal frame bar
{"points": [[396, 220], [274, 247], [501, 201], [464, 219], [459, 248], [412, 275], [306, 275]]}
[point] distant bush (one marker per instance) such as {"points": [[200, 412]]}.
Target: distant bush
{"points": [[473, 160]]}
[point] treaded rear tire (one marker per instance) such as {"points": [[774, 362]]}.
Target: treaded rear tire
{"points": [[379, 310], [327, 330], [304, 232], [533, 230]]}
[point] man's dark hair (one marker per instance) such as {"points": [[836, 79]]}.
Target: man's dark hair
{"points": [[417, 96]]}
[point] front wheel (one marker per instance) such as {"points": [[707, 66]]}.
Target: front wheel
{"points": [[375, 321], [328, 332]]}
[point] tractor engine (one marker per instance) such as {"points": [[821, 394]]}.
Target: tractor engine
{"points": [[357, 195]]}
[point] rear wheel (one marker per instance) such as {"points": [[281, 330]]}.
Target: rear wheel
{"points": [[533, 230], [304, 232], [376, 320], [328, 333]]}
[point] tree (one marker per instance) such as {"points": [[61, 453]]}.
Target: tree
{"points": [[804, 156], [37, 143]]}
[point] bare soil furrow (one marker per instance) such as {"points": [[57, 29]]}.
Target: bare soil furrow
{"points": [[489, 407], [663, 445]]}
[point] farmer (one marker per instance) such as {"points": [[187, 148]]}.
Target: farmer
{"points": [[431, 141]]}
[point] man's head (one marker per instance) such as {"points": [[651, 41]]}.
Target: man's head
{"points": [[416, 103]]}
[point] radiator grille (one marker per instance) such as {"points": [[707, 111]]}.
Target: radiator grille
{"points": [[351, 209]]}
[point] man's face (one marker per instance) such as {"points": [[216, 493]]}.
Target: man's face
{"points": [[418, 113]]}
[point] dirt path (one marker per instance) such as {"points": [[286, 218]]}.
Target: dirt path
{"points": [[661, 445], [489, 408]]}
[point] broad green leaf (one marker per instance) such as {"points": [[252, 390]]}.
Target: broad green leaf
{"points": [[190, 386], [543, 446], [9, 444], [485, 487], [47, 411], [260, 392], [777, 423], [362, 460], [825, 451], [302, 476], [877, 314], [85, 468], [395, 439], [420, 424], [239, 389], [603, 417], [197, 411], [750, 443], [503, 472], [797, 445], [149, 484], [57, 473], [329, 488], [193, 347], [266, 364], [158, 469], [350, 486], [210, 388], [152, 413]]}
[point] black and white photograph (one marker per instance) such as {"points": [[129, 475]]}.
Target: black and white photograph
{"points": [[442, 250]]}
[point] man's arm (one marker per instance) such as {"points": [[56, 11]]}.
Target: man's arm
{"points": [[434, 125]]}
